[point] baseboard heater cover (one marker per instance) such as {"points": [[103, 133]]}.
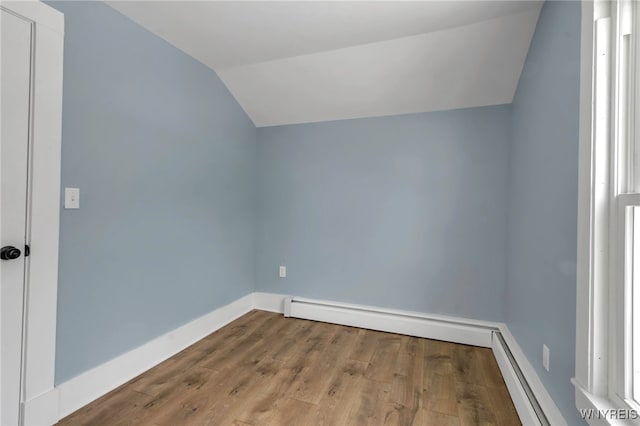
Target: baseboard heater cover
{"points": [[534, 404], [454, 330]]}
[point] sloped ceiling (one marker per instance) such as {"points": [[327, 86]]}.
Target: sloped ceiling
{"points": [[307, 61]]}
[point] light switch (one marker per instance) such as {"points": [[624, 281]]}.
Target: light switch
{"points": [[72, 198], [283, 272]]}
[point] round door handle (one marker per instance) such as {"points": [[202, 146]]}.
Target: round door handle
{"points": [[9, 253]]}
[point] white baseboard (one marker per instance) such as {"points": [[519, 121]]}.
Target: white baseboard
{"points": [[438, 327], [81, 390], [269, 302], [43, 409], [549, 407], [88, 386]]}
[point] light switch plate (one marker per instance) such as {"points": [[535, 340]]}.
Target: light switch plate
{"points": [[72, 198], [283, 272]]}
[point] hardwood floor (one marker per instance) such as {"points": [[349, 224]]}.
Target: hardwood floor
{"points": [[264, 369]]}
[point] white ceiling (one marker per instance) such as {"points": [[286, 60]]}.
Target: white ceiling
{"points": [[306, 61]]}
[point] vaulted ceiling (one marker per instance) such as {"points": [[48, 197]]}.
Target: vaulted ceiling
{"points": [[307, 61]]}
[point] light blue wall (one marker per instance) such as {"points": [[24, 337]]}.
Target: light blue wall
{"points": [[541, 280], [164, 158], [402, 212]]}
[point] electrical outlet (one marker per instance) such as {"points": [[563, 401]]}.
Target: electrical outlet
{"points": [[283, 272], [545, 357], [71, 198]]}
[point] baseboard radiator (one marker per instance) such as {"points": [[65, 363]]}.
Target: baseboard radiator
{"points": [[533, 401], [432, 327]]}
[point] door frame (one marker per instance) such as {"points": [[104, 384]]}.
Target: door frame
{"points": [[39, 396]]}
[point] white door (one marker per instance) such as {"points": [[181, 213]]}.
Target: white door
{"points": [[15, 123]]}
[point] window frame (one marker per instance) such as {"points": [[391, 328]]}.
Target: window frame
{"points": [[603, 301]]}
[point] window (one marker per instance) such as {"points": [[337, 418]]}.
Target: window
{"points": [[634, 273], [625, 220], [607, 377]]}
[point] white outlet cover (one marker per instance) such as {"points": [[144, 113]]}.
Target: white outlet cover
{"points": [[283, 272], [72, 198], [545, 357]]}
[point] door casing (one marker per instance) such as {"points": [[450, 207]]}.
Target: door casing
{"points": [[39, 394]]}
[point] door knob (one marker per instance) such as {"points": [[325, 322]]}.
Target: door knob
{"points": [[9, 253]]}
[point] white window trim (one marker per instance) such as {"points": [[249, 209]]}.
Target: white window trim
{"points": [[598, 326]]}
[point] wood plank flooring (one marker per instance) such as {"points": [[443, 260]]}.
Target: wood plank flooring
{"points": [[264, 369]]}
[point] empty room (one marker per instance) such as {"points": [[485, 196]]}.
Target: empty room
{"points": [[319, 213]]}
